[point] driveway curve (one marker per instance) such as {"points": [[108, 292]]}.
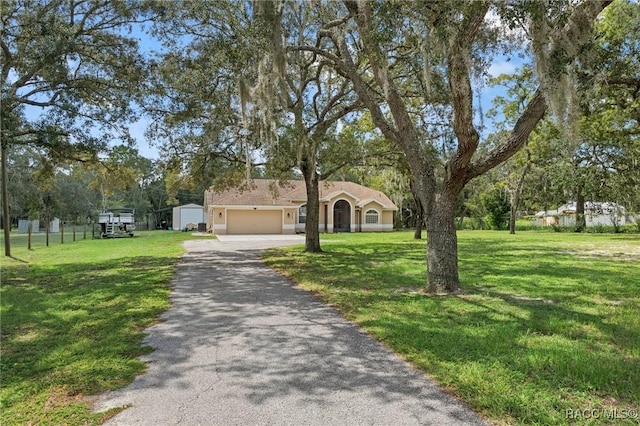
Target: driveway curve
{"points": [[241, 345]]}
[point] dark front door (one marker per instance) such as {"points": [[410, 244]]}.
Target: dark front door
{"points": [[341, 216]]}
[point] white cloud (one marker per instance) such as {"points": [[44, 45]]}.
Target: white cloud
{"points": [[504, 67]]}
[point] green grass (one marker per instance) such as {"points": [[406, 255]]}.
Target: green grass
{"points": [[545, 322], [72, 318]]}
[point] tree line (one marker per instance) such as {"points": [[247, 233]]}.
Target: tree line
{"points": [[387, 93]]}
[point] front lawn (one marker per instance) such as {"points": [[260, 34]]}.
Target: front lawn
{"points": [[72, 320], [545, 331]]}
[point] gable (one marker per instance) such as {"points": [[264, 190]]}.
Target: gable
{"points": [[370, 203], [340, 195]]}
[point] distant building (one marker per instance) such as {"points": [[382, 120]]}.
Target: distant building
{"points": [[24, 224], [265, 208], [187, 217], [595, 213], [38, 225]]}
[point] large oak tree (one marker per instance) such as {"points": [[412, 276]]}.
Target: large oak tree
{"points": [[316, 99], [69, 73], [431, 51]]}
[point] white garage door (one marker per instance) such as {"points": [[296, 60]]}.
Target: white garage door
{"points": [[254, 222]]}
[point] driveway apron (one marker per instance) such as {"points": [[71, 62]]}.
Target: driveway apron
{"points": [[241, 345]]}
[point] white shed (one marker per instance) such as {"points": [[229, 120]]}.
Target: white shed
{"points": [[23, 226], [189, 214], [595, 213]]}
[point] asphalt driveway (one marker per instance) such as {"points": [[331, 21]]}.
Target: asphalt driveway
{"points": [[241, 345]]}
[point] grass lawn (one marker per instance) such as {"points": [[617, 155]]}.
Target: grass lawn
{"points": [[546, 329], [72, 318]]}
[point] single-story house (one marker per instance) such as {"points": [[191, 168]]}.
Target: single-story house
{"points": [[187, 216], [265, 207], [595, 213]]}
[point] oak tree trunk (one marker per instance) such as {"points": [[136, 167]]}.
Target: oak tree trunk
{"points": [[580, 220], [442, 247], [312, 233], [417, 231], [6, 220], [419, 216], [515, 199]]}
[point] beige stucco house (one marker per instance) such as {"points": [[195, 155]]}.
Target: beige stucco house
{"points": [[264, 207]]}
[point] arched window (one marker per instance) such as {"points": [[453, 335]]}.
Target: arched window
{"points": [[371, 217], [302, 214]]}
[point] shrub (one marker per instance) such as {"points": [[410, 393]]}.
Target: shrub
{"points": [[497, 207]]}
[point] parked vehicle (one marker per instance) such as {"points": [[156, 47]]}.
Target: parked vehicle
{"points": [[117, 223]]}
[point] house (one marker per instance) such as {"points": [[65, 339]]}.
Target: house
{"points": [[595, 214], [187, 216], [265, 207]]}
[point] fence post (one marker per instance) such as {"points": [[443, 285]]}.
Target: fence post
{"points": [[29, 236], [84, 233], [61, 232], [74, 232]]}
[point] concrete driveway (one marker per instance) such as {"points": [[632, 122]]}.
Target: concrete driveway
{"points": [[241, 345]]}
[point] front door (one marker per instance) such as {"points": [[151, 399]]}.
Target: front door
{"points": [[342, 216]]}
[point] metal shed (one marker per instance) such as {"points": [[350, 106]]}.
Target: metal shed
{"points": [[188, 214]]}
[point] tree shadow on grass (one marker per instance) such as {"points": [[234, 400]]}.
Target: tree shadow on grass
{"points": [[81, 328], [550, 320], [536, 345]]}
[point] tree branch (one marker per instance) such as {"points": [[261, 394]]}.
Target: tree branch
{"points": [[533, 113]]}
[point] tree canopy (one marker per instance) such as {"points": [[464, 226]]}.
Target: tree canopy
{"points": [[69, 74], [240, 88]]}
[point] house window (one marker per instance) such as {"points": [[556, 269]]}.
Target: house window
{"points": [[302, 214], [371, 217]]}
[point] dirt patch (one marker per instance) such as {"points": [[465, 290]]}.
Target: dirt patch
{"points": [[486, 292], [61, 397], [613, 250]]}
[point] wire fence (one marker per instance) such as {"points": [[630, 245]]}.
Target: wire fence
{"points": [[64, 233]]}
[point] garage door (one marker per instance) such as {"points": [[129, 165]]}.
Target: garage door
{"points": [[254, 222]]}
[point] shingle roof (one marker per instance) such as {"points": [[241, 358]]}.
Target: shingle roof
{"points": [[267, 192]]}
